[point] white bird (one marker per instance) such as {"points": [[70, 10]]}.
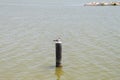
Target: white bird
{"points": [[57, 40]]}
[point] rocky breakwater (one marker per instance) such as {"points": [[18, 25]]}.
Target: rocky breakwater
{"points": [[102, 4]]}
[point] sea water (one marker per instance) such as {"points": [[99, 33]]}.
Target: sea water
{"points": [[90, 40]]}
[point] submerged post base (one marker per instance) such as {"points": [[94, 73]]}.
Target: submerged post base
{"points": [[58, 65]]}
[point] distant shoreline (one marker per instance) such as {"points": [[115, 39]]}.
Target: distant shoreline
{"points": [[102, 4]]}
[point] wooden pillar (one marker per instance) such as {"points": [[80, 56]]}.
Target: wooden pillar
{"points": [[58, 46]]}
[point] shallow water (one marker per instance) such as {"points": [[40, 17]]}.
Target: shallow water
{"points": [[90, 36]]}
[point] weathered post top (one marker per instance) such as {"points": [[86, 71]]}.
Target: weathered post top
{"points": [[57, 40]]}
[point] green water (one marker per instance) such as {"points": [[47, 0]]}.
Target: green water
{"points": [[90, 40]]}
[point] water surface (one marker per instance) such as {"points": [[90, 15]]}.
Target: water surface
{"points": [[90, 36]]}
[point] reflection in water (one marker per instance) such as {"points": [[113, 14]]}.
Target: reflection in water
{"points": [[58, 72]]}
